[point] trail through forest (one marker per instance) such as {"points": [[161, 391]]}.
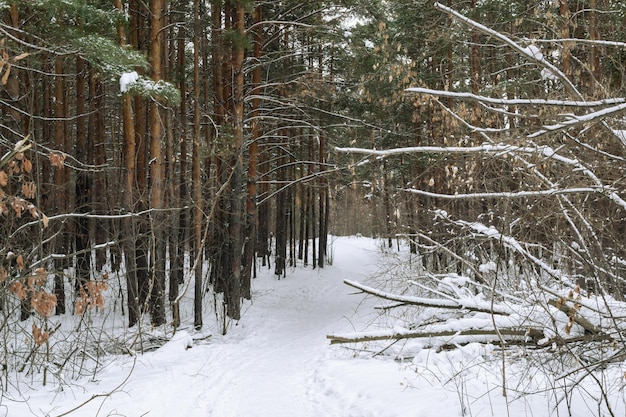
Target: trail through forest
{"points": [[275, 362]]}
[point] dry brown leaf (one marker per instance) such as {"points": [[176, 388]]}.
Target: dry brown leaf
{"points": [[5, 77], [45, 220], [27, 166], [33, 211], [81, 303], [18, 204], [20, 262], [29, 189], [4, 179], [40, 336], [57, 159], [17, 288], [43, 303], [21, 56], [14, 168]]}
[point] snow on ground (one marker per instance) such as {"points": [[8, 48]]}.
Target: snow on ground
{"points": [[277, 362]]}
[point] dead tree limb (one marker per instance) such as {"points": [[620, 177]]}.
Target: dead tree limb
{"points": [[530, 334], [574, 314], [429, 302]]}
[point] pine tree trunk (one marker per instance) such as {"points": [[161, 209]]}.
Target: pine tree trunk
{"points": [[60, 180], [253, 154], [280, 220], [83, 180], [157, 172], [196, 174], [566, 54], [323, 211], [141, 245]]}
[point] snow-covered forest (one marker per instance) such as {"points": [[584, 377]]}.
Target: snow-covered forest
{"points": [[174, 172]]}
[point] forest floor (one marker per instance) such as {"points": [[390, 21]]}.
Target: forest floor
{"points": [[276, 361]]}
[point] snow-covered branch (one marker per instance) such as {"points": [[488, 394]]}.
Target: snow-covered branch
{"points": [[514, 102], [431, 302], [508, 241], [484, 148], [598, 42], [575, 120], [517, 194], [533, 54], [545, 151], [490, 335], [527, 52]]}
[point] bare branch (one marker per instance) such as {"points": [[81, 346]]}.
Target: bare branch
{"points": [[429, 302], [514, 102], [518, 194], [523, 51], [481, 335]]}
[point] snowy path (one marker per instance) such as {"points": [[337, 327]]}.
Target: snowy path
{"points": [[277, 362], [267, 365]]}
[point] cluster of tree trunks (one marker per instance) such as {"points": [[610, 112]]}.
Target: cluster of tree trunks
{"points": [[147, 179]]}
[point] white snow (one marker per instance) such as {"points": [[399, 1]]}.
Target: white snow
{"points": [[546, 74], [368, 44], [533, 51], [488, 267], [126, 79], [277, 362]]}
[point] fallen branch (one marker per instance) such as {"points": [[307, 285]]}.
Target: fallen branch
{"points": [[480, 335], [428, 302], [575, 315]]}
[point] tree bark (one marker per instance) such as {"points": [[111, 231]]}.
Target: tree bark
{"points": [[157, 171], [196, 174], [253, 155]]}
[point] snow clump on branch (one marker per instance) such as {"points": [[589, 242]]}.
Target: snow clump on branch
{"points": [[533, 51], [126, 79]]}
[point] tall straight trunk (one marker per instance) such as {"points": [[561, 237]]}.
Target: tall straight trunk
{"points": [[83, 180], [60, 178], [290, 211], [129, 224], [99, 228], [141, 244], [300, 191], [307, 223], [172, 221], [12, 87], [301, 220], [253, 154], [323, 205], [566, 54], [594, 56], [196, 173], [387, 204], [157, 171], [280, 219], [233, 290], [183, 214], [213, 246], [129, 187], [312, 215], [262, 239]]}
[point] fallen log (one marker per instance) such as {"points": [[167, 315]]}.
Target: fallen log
{"points": [[575, 315], [531, 334]]}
